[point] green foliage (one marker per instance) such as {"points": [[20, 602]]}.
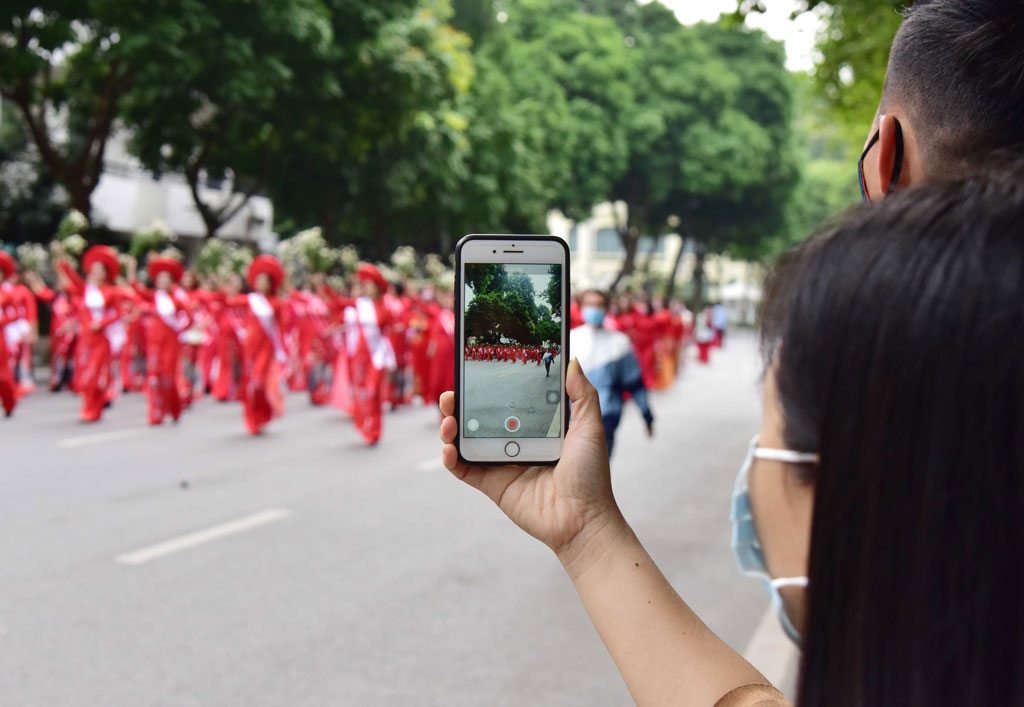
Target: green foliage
{"points": [[152, 238], [30, 201], [77, 59], [503, 308], [828, 175], [222, 258], [851, 72], [854, 51], [409, 122]]}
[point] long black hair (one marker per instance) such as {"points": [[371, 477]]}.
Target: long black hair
{"points": [[898, 341]]}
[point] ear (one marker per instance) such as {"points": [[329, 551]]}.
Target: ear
{"points": [[886, 152]]}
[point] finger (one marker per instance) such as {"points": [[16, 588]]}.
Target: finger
{"points": [[449, 430], [492, 481], [447, 403]]}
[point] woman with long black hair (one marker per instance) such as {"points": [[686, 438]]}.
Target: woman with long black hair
{"points": [[881, 501]]}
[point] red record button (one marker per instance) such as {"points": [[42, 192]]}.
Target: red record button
{"points": [[512, 424]]}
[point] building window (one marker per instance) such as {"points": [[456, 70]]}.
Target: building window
{"points": [[651, 244], [573, 239], [608, 241]]}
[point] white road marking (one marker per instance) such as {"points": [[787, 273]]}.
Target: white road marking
{"points": [[556, 422], [770, 651], [102, 437], [201, 537]]}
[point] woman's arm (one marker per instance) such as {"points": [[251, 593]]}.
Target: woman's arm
{"points": [[76, 285], [665, 653], [146, 294]]}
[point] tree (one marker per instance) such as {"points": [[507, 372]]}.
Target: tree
{"points": [[741, 166], [851, 69], [553, 292], [31, 203], [503, 307], [363, 149], [65, 68], [243, 70]]}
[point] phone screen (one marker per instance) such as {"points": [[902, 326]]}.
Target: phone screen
{"points": [[513, 357]]}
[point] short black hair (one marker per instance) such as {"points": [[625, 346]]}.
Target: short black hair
{"points": [[898, 349], [957, 68], [600, 293]]}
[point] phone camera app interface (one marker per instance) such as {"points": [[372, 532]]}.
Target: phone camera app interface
{"points": [[512, 385]]}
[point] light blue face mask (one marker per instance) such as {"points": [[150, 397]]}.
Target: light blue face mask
{"points": [[746, 548], [594, 316]]}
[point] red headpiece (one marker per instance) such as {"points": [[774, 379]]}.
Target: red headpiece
{"points": [[160, 263], [105, 256], [271, 267], [369, 273], [8, 266]]}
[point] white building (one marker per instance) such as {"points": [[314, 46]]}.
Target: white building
{"points": [[129, 198], [597, 253]]}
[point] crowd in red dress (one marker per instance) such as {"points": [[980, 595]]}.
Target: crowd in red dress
{"points": [[175, 340], [510, 353]]}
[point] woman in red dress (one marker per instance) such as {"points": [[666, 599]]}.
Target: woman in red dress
{"points": [[100, 314], [441, 348], [8, 388], [370, 356], [229, 310], [168, 317], [263, 351]]}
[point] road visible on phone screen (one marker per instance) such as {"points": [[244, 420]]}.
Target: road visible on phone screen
{"points": [[512, 399]]}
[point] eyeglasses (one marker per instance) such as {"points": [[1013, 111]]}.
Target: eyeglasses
{"points": [[897, 162]]}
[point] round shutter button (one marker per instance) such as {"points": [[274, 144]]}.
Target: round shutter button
{"points": [[512, 424], [512, 449]]}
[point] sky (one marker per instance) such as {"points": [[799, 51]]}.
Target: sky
{"points": [[798, 34]]}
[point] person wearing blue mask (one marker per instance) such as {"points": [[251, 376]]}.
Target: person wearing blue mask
{"points": [[611, 364], [880, 501]]}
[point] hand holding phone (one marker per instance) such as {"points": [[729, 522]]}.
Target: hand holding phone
{"points": [[563, 505], [511, 341]]}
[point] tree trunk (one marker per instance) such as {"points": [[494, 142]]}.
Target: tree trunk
{"points": [[328, 221], [629, 235], [670, 289], [79, 173], [81, 198], [630, 242], [697, 301]]}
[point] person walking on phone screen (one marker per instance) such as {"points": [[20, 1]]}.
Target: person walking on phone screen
{"points": [[611, 364]]}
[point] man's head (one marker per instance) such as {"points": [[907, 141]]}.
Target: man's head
{"points": [[955, 85], [594, 306]]}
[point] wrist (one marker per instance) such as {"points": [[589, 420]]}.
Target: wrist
{"points": [[600, 537]]}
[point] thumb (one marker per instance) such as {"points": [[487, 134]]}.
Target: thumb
{"points": [[586, 404]]}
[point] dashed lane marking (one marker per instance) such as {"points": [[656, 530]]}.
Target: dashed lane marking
{"points": [[201, 537]]}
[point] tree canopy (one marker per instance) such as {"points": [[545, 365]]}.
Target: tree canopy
{"points": [[503, 307], [416, 121]]}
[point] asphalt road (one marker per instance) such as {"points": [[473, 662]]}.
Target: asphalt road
{"points": [[511, 399], [193, 565]]}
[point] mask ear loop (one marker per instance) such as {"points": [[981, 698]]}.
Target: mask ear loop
{"points": [[860, 168], [897, 167]]}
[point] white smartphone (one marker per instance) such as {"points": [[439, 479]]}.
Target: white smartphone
{"points": [[512, 340]]}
